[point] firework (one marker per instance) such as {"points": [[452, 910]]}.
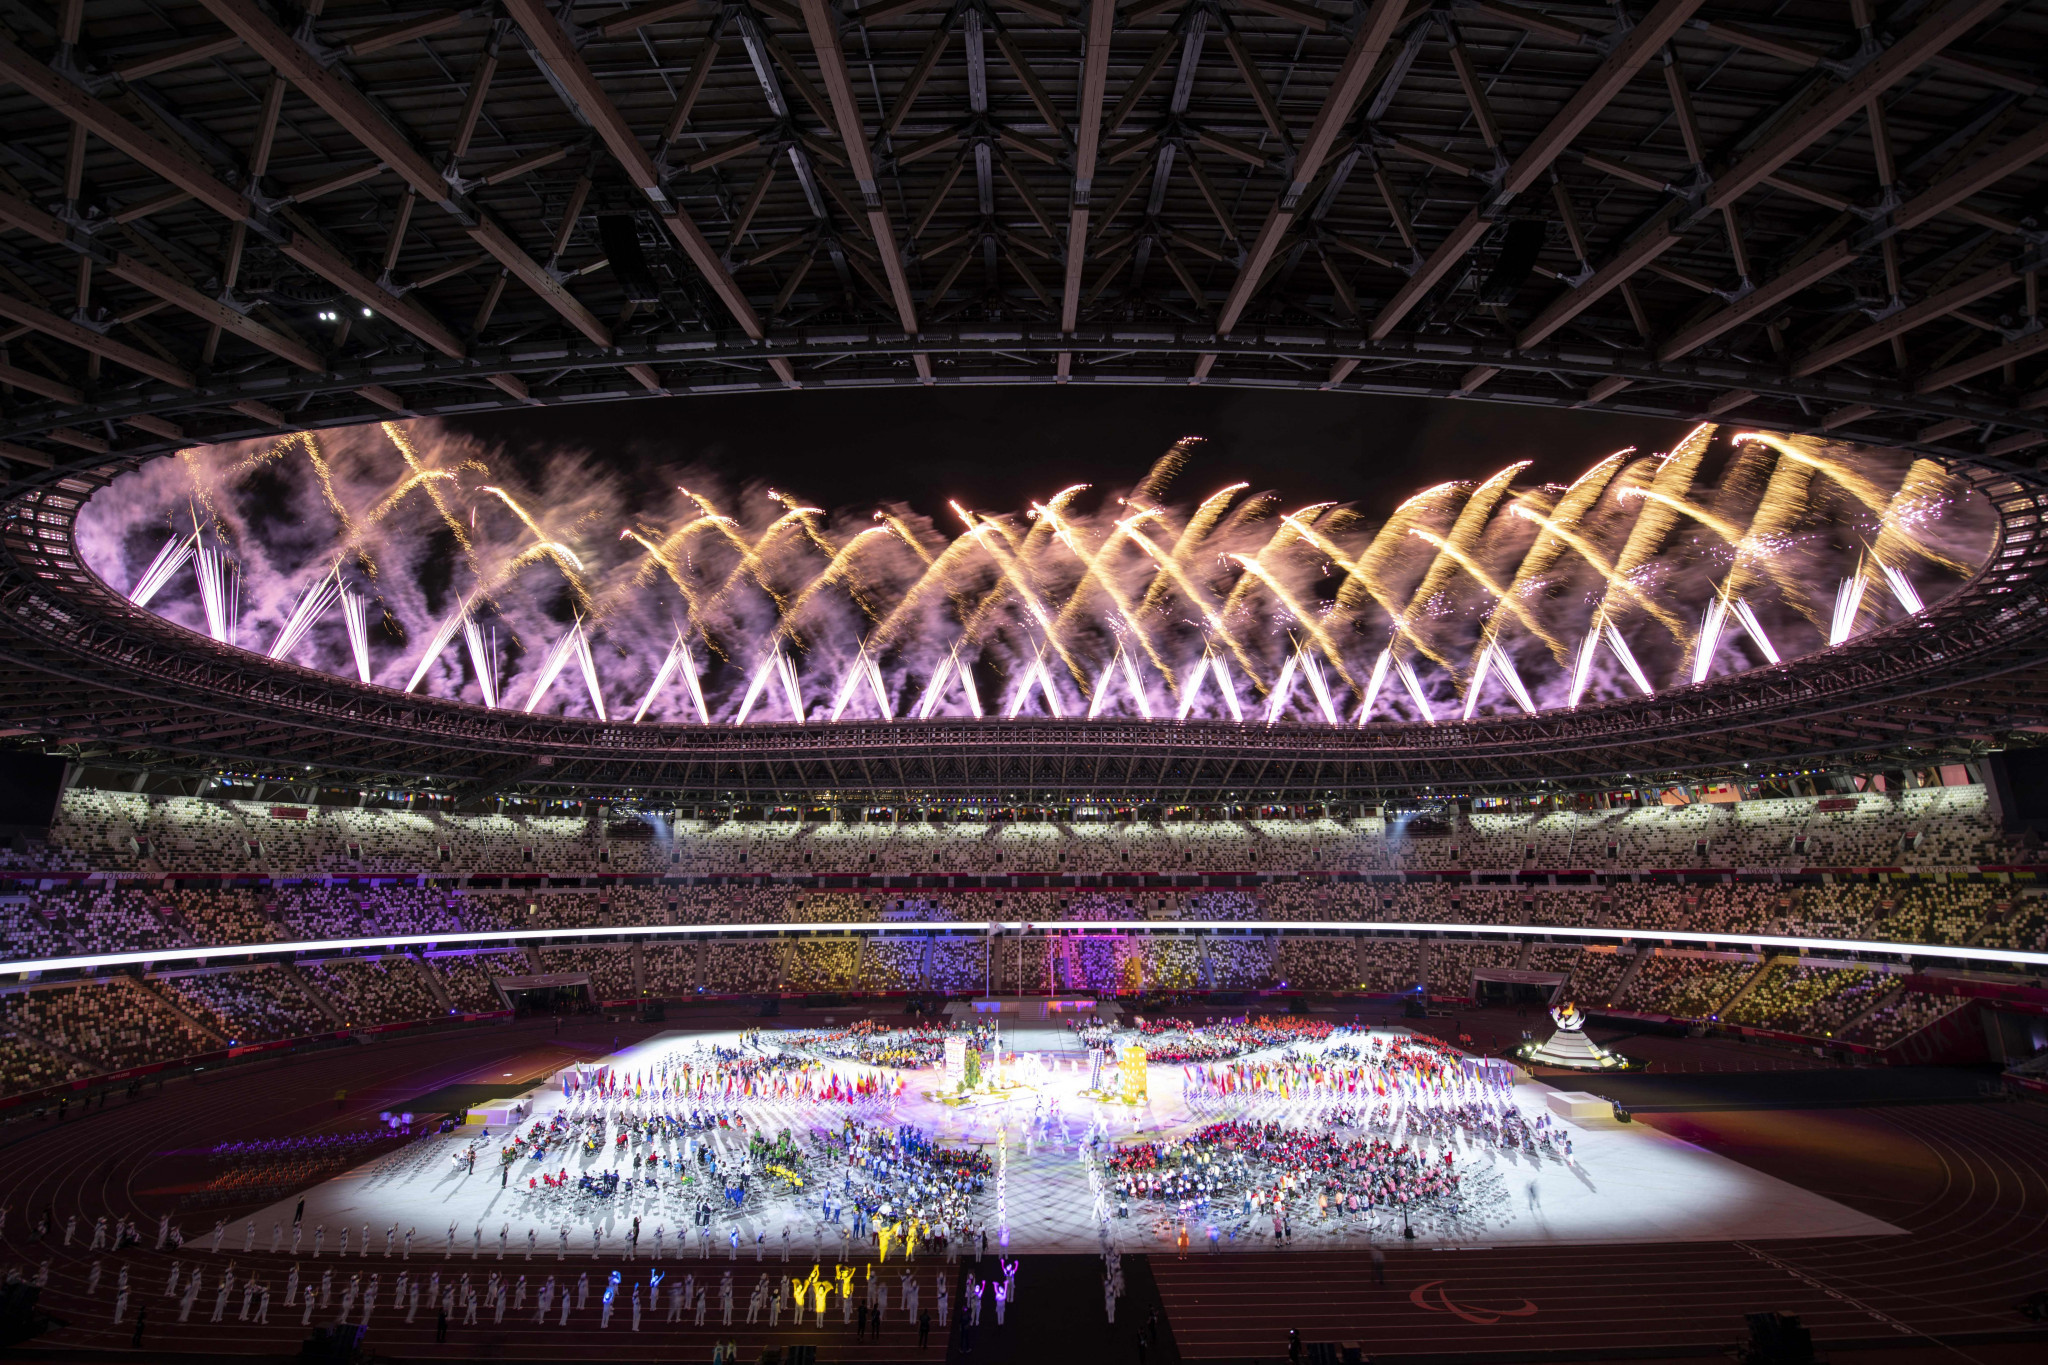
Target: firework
{"points": [[741, 606]]}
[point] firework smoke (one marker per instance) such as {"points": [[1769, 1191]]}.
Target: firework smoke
{"points": [[414, 559]]}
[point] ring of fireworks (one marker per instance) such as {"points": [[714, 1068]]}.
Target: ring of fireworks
{"points": [[399, 557], [747, 645]]}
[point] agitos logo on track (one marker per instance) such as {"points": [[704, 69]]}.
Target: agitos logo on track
{"points": [[1433, 1298]]}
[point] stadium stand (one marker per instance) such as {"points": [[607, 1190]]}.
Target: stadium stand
{"points": [[1927, 829], [124, 873], [246, 1004]]}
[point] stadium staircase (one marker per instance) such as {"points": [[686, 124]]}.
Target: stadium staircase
{"points": [[440, 989], [1627, 977], [198, 1025], [1752, 981], [1884, 1001], [313, 993]]}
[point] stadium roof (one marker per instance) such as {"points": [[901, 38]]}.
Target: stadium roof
{"points": [[86, 673], [225, 218]]}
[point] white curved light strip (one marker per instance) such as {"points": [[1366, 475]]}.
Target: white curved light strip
{"points": [[1299, 927]]}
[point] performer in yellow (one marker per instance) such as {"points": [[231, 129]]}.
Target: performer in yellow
{"points": [[817, 1290]]}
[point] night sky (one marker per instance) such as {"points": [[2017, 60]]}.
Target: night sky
{"points": [[997, 449]]}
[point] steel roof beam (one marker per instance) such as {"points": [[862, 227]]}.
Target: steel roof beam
{"points": [[349, 107], [1642, 42], [1761, 300], [553, 46], [176, 166], [28, 218], [1087, 143], [1115, 324], [1808, 125], [1936, 305], [1804, 127], [57, 327], [823, 25], [1347, 88]]}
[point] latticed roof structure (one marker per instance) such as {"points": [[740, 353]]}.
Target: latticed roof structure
{"points": [[227, 218]]}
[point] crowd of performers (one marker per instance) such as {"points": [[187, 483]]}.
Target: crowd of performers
{"points": [[872, 1185], [1170, 1042], [1320, 1126], [687, 1138], [873, 1042], [1396, 1123], [729, 1075], [213, 1283], [1366, 1130], [1383, 1067], [684, 1136], [1249, 1171], [689, 1128], [899, 1183]]}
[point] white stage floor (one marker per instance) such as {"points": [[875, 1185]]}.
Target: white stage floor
{"points": [[1626, 1182]]}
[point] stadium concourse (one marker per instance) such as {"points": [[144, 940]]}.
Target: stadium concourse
{"points": [[243, 1040]]}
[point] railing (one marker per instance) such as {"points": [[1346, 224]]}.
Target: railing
{"points": [[239, 1053], [1995, 622], [484, 940]]}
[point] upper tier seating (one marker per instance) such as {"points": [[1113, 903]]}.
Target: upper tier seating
{"points": [[1934, 828], [185, 875]]}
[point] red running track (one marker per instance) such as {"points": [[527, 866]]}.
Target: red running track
{"points": [[1969, 1183], [116, 1161]]}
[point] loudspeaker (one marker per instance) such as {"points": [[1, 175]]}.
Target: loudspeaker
{"points": [[1519, 248], [619, 235]]}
